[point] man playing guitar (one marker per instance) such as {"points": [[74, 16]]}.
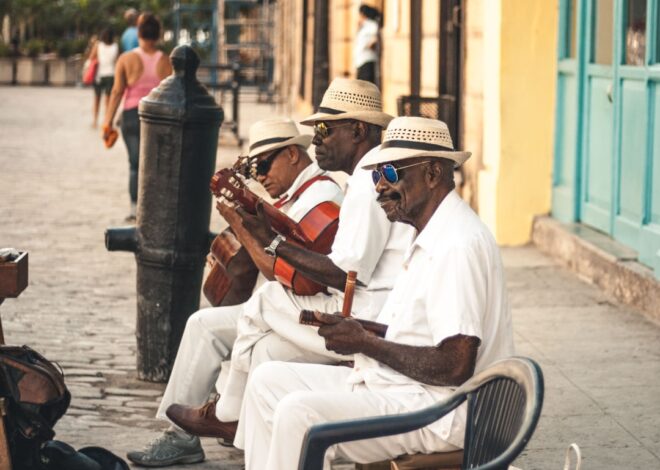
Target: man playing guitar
{"points": [[347, 127], [280, 163]]}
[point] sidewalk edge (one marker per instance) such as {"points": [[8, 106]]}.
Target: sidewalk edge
{"points": [[619, 275]]}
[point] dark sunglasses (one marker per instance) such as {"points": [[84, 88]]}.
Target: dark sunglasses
{"points": [[262, 167], [390, 172], [323, 130]]}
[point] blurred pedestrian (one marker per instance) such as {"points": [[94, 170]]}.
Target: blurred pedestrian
{"points": [[15, 42], [365, 48], [129, 38], [105, 51], [136, 74]]}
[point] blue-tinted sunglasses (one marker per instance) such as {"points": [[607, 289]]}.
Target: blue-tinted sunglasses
{"points": [[390, 172]]}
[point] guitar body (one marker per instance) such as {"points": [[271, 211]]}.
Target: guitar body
{"points": [[233, 275], [315, 231], [319, 226]]}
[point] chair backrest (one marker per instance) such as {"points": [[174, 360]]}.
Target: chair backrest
{"points": [[504, 406]]}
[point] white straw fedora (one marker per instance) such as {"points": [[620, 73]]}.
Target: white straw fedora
{"points": [[348, 98], [271, 134], [409, 137]]}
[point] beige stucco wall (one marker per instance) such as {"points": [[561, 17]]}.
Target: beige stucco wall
{"points": [[395, 66], [343, 19], [472, 112]]}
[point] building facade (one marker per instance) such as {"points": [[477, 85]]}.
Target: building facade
{"points": [[555, 98]]}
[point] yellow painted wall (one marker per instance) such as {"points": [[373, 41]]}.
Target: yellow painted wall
{"points": [[519, 109]]}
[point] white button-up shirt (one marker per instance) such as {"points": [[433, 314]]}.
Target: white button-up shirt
{"points": [[452, 283], [366, 241]]}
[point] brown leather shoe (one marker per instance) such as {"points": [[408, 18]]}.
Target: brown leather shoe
{"points": [[201, 421]]}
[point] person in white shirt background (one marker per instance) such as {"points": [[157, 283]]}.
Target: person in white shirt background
{"points": [[365, 47], [447, 316], [106, 52]]}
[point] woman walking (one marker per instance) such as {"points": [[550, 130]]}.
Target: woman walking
{"points": [[137, 73], [105, 51]]}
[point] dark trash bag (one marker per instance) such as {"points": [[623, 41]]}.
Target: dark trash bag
{"points": [[56, 455], [36, 397]]}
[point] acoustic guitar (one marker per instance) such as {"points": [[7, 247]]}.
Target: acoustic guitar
{"points": [[315, 231], [233, 274]]}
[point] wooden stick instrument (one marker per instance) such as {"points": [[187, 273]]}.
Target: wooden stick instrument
{"points": [[349, 292], [307, 317]]}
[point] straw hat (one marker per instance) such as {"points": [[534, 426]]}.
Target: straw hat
{"points": [[272, 134], [347, 98], [409, 137]]}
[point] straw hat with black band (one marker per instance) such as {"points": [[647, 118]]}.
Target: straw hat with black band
{"points": [[348, 98], [272, 134], [411, 137]]}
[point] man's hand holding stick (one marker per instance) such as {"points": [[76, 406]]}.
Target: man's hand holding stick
{"points": [[341, 331]]}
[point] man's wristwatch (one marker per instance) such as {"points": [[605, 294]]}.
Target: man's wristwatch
{"points": [[272, 248]]}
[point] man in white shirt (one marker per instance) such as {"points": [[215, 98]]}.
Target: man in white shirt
{"points": [[348, 128], [285, 170], [448, 317]]}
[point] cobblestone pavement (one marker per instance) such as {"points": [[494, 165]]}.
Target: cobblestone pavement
{"points": [[60, 189]]}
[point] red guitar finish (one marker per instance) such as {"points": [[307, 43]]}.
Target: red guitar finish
{"points": [[315, 231]]}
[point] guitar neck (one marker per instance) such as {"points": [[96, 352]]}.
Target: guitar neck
{"points": [[283, 224], [226, 180]]}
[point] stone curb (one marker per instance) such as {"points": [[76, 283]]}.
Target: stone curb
{"points": [[601, 261]]}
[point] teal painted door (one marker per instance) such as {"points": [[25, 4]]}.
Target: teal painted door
{"points": [[598, 131], [607, 142]]}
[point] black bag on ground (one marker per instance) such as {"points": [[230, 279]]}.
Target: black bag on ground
{"points": [[36, 397], [56, 455]]}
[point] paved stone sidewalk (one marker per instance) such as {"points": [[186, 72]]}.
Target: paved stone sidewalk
{"points": [[60, 189]]}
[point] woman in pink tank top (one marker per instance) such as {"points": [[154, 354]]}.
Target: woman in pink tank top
{"points": [[137, 73]]}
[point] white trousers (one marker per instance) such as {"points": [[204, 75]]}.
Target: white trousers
{"points": [[284, 400], [204, 351], [206, 342], [274, 309]]}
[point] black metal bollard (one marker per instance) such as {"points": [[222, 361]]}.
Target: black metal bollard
{"points": [[179, 135]]}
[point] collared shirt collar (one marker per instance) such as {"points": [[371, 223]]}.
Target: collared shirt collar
{"points": [[429, 236], [308, 173]]}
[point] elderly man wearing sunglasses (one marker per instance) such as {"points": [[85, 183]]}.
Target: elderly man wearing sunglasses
{"points": [[348, 126], [447, 318], [282, 166]]}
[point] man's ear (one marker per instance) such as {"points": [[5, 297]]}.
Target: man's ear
{"points": [[360, 131], [434, 174], [294, 154]]}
